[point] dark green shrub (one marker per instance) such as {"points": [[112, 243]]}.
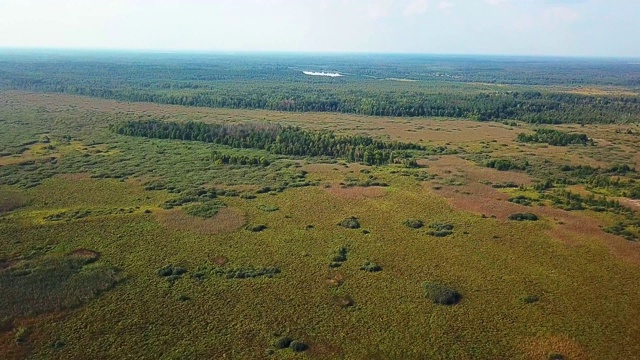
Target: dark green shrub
{"points": [[206, 210], [339, 255], [268, 208], [282, 342], [523, 217], [58, 344], [257, 228], [507, 185], [21, 335], [554, 137], [298, 346], [441, 294], [530, 299], [440, 229], [350, 223], [371, 267], [521, 199], [171, 271], [505, 165], [414, 223]]}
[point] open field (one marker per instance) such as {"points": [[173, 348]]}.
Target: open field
{"points": [[98, 216]]}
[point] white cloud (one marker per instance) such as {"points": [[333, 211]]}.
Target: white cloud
{"points": [[444, 5], [496, 2], [416, 7], [379, 9], [561, 14]]}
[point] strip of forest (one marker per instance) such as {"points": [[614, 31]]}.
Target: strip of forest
{"points": [[281, 140]]}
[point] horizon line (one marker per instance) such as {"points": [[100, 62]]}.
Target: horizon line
{"points": [[301, 52]]}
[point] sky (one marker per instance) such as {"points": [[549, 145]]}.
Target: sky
{"points": [[603, 28]]}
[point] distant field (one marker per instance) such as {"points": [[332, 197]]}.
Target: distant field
{"points": [[99, 217]]}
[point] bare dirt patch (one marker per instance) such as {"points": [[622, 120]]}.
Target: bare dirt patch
{"points": [[543, 347], [225, 221]]}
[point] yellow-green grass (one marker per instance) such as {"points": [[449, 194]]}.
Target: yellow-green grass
{"points": [[588, 289], [582, 290]]}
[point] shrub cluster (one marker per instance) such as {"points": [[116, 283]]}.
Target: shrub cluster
{"points": [[414, 223], [205, 210], [350, 223], [521, 199], [554, 137], [338, 257], [172, 273], [440, 229], [256, 228], [441, 294], [371, 267], [523, 217], [285, 342], [241, 272]]}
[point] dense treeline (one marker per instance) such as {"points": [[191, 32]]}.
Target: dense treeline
{"points": [[236, 159], [554, 137], [284, 140], [268, 83]]}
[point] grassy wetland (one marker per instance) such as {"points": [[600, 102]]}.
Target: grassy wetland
{"points": [[265, 234]]}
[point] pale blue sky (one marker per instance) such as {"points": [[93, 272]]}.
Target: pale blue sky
{"points": [[522, 27]]}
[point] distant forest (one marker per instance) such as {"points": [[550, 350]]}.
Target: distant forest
{"points": [[479, 88]]}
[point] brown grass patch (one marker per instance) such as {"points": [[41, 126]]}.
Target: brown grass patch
{"points": [[75, 177], [343, 301], [225, 221], [7, 264], [357, 192], [220, 260], [453, 165], [539, 348], [571, 228], [336, 280], [88, 256], [11, 200]]}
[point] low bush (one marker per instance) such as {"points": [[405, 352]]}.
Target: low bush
{"points": [[170, 270], [282, 342], [523, 217], [414, 223], [298, 346], [256, 228], [58, 344], [530, 299], [268, 208], [350, 223], [241, 272], [205, 210], [521, 199], [340, 255], [371, 267], [441, 294], [440, 229], [21, 335]]}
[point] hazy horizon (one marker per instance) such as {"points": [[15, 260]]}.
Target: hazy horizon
{"points": [[546, 28]]}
